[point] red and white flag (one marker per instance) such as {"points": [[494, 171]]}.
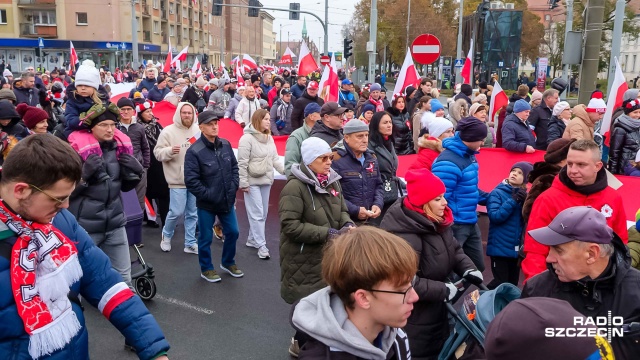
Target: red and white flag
{"points": [[194, 138], [234, 61], [225, 74], [614, 101], [306, 63], [248, 63], [196, 68], [330, 83], [499, 99], [287, 57], [467, 68], [73, 56], [182, 56], [408, 75], [239, 75], [148, 208]]}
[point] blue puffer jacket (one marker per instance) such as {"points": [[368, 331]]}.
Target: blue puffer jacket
{"points": [[457, 167], [346, 97], [211, 174], [505, 222], [516, 135], [361, 185], [77, 105], [130, 317]]}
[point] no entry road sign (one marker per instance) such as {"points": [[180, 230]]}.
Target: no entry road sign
{"points": [[325, 60], [425, 49]]}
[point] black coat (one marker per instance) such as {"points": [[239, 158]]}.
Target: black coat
{"points": [[439, 254], [211, 174], [416, 99], [156, 94], [191, 95], [616, 290], [516, 135], [402, 134], [625, 143], [387, 159], [322, 131], [297, 114], [157, 187], [539, 119], [555, 129]]}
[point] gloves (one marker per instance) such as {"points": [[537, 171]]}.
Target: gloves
{"points": [[519, 195], [333, 233], [4, 141], [95, 111], [453, 291], [93, 169], [114, 109], [280, 124], [130, 163], [473, 276]]}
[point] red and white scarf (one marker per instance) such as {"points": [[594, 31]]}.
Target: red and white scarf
{"points": [[44, 265], [378, 103]]}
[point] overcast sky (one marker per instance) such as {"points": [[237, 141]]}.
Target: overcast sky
{"points": [[340, 12]]}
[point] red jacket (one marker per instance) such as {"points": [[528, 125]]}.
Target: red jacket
{"points": [[557, 198], [272, 96], [428, 150]]}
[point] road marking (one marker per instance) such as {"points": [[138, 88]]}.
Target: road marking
{"points": [[184, 304], [426, 49]]}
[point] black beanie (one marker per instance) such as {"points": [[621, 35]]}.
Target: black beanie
{"points": [[466, 89], [107, 115], [124, 101], [472, 129], [255, 77]]}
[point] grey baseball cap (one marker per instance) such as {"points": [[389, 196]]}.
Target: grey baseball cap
{"points": [[582, 223]]}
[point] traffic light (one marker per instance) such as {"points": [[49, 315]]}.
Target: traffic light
{"points": [[38, 52], [216, 10], [552, 4], [254, 11], [346, 52], [477, 59], [294, 11], [205, 59]]}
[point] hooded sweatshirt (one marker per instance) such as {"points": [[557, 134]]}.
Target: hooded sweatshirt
{"points": [[323, 317], [175, 134], [257, 157]]}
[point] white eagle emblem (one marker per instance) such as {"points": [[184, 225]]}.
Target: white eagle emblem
{"points": [[606, 210]]}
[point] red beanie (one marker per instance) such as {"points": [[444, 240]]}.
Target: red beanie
{"points": [[423, 186], [31, 115]]}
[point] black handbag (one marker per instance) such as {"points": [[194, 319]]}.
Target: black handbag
{"points": [[390, 191], [200, 105]]}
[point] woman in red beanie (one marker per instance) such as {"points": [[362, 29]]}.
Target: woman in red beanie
{"points": [[36, 119], [424, 220]]}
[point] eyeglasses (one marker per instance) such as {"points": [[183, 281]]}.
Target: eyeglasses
{"points": [[326, 158], [59, 201], [403, 293], [106, 126], [127, 109]]}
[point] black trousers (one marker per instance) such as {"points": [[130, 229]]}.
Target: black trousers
{"points": [[504, 269]]}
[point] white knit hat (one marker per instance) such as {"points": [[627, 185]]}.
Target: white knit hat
{"points": [[88, 75], [438, 126], [312, 148], [7, 72], [560, 107], [597, 105]]}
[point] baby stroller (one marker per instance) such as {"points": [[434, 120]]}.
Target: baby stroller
{"points": [[141, 272], [478, 309]]}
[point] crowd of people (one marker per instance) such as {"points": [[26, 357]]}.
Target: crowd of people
{"points": [[354, 235]]}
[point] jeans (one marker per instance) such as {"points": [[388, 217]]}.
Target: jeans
{"points": [[115, 245], [181, 202], [468, 235], [230, 231], [256, 201]]}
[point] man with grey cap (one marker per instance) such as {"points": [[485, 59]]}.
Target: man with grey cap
{"points": [[219, 99], [211, 175], [329, 128], [358, 166], [589, 267]]}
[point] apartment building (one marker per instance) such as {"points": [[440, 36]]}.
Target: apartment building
{"points": [[102, 30]]}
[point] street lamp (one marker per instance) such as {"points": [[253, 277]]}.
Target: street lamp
{"points": [[280, 50]]}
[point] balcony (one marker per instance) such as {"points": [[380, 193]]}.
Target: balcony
{"points": [[35, 31], [146, 11], [37, 3], [146, 36], [164, 14]]}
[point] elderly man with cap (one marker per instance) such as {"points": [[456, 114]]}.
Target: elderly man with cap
{"points": [[458, 169], [177, 91], [516, 133], [211, 175], [346, 95], [375, 99], [583, 181], [219, 99], [159, 90], [329, 128], [141, 150], [310, 95], [358, 166], [292, 150], [588, 265], [582, 126]]}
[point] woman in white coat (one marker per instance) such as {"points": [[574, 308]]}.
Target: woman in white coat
{"points": [[257, 158]]}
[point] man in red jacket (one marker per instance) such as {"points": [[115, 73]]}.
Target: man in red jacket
{"points": [[582, 182]]}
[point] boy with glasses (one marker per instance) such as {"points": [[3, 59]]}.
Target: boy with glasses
{"points": [[370, 296]]}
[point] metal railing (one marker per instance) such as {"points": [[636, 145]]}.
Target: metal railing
{"points": [[146, 35], [31, 30]]}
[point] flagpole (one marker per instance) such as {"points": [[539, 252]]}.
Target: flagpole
{"points": [[615, 41], [134, 35]]}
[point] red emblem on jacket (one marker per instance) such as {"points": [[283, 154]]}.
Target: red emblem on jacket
{"points": [[370, 167], [334, 192]]}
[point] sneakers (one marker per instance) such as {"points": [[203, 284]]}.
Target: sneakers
{"points": [[217, 232], [263, 253], [210, 276], [233, 271], [294, 348], [192, 249], [165, 244], [252, 244]]}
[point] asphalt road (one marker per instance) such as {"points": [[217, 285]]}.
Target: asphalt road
{"points": [[234, 319]]}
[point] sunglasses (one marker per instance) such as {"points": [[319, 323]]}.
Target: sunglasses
{"points": [[326, 158], [59, 201]]}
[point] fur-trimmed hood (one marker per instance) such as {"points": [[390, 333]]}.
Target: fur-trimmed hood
{"points": [[430, 142]]}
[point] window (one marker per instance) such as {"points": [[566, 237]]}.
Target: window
{"points": [[3, 16], [156, 27], [172, 30], [626, 61], [172, 8], [81, 18], [139, 23], [210, 40], [42, 17], [185, 33], [185, 14], [156, 4]]}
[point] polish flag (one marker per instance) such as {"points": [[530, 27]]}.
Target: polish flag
{"points": [[248, 62], [287, 57], [167, 62], [614, 101], [306, 63], [239, 76], [196, 67], [73, 57], [148, 208], [408, 75], [467, 69], [498, 100], [194, 138], [182, 56], [329, 83], [225, 74]]}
